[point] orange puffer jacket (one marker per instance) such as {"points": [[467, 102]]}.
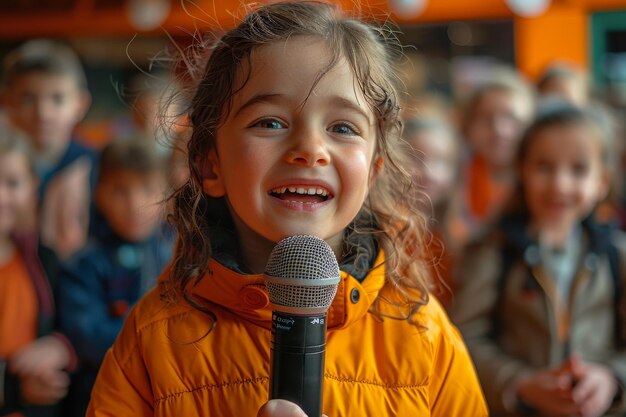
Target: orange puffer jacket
{"points": [[170, 361]]}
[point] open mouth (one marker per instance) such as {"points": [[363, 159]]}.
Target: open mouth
{"points": [[301, 194]]}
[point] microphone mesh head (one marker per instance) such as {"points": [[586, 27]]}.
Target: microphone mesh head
{"points": [[302, 275]]}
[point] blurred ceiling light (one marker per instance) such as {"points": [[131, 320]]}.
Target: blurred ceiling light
{"points": [[528, 8], [148, 14], [407, 9]]}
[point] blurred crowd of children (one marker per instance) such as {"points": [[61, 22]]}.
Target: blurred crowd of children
{"points": [[82, 230], [522, 183]]}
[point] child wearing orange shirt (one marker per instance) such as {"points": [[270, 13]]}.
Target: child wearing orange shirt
{"points": [[493, 120], [33, 359]]}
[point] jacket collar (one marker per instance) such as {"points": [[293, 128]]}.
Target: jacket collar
{"points": [[515, 231], [245, 295]]}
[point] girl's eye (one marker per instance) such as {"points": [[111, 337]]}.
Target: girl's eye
{"points": [[269, 124], [58, 98], [344, 129], [543, 166], [580, 170], [13, 183]]}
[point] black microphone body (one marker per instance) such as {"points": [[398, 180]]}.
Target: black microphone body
{"points": [[301, 277], [297, 359]]}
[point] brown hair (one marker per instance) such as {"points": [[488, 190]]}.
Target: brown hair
{"points": [[389, 213], [45, 56], [136, 155]]}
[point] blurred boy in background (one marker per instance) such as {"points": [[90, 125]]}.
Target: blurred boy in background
{"points": [[44, 93], [102, 281]]}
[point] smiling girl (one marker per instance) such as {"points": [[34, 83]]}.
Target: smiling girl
{"points": [[295, 129], [540, 301]]}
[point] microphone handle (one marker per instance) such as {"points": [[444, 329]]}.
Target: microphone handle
{"points": [[297, 360]]}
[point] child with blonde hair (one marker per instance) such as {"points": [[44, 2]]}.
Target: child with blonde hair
{"points": [[34, 356], [295, 131]]}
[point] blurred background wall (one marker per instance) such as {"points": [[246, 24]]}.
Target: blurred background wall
{"points": [[454, 40]]}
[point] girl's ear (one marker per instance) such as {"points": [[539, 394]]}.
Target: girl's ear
{"points": [[212, 183], [84, 102]]}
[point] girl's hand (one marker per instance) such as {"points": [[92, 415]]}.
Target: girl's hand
{"points": [[44, 389], [281, 408], [43, 356], [595, 388], [550, 392]]}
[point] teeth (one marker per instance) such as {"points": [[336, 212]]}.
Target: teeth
{"points": [[301, 190]]}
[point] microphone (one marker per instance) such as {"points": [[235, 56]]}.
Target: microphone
{"points": [[301, 277]]}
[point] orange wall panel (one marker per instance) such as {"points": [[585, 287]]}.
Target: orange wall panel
{"points": [[561, 33]]}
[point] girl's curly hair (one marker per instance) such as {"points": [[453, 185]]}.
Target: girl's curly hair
{"points": [[390, 212]]}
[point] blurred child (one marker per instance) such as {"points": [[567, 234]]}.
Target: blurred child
{"points": [[45, 95], [564, 81], [33, 358], [434, 158], [540, 302], [493, 121], [295, 131], [102, 281]]}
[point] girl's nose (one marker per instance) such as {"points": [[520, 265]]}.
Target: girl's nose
{"points": [[562, 181], [308, 148], [44, 108]]}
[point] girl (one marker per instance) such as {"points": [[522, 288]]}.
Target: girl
{"points": [[33, 359], [493, 121], [538, 306], [295, 125]]}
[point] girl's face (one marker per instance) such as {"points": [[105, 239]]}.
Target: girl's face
{"points": [[496, 126], [294, 157], [438, 150], [131, 202], [563, 175], [17, 191]]}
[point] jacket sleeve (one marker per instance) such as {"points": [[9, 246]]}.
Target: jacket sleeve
{"points": [[454, 387], [51, 266], [122, 388], [83, 308], [472, 311]]}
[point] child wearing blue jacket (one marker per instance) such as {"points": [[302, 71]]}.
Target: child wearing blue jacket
{"points": [[101, 282]]}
